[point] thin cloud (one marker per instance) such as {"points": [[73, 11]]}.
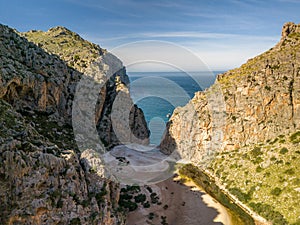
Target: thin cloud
{"points": [[185, 35], [100, 5], [203, 35], [208, 15]]}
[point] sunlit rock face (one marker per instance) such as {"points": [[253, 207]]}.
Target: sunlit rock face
{"points": [[260, 100]]}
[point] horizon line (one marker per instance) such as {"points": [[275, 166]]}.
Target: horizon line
{"points": [[172, 71]]}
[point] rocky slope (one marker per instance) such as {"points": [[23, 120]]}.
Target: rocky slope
{"points": [[261, 99], [255, 103], [44, 184], [79, 54], [44, 178]]}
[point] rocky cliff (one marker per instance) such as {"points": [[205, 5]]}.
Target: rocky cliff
{"points": [[79, 54], [44, 177], [261, 100], [244, 129]]}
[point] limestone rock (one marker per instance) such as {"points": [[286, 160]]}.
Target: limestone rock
{"points": [[44, 178], [76, 51], [261, 101], [38, 187], [243, 132]]}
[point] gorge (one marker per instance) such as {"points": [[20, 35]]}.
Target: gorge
{"points": [[241, 135]]}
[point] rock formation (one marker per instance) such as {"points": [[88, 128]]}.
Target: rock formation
{"points": [[79, 54], [243, 132], [261, 100], [43, 177]]}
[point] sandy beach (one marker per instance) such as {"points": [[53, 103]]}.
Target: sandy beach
{"points": [[186, 205], [179, 203]]}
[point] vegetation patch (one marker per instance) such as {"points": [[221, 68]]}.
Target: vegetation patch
{"points": [[131, 198], [264, 176], [295, 137], [239, 216]]}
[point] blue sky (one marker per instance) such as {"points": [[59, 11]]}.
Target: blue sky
{"points": [[223, 33]]}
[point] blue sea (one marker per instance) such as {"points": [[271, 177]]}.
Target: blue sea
{"points": [[159, 93]]}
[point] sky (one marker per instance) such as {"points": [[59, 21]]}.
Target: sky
{"points": [[222, 33]]}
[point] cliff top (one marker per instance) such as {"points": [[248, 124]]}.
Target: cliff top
{"points": [[290, 28], [284, 53], [69, 46]]}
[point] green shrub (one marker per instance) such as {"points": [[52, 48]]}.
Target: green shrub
{"points": [[154, 198], [256, 152], [283, 150], [267, 174], [163, 220], [294, 138], [140, 198], [85, 203], [126, 196], [60, 203], [269, 213], [259, 169], [131, 206], [276, 191], [146, 205], [289, 171], [268, 88], [76, 57], [100, 195], [151, 216], [257, 160], [243, 197], [149, 189], [274, 141], [282, 141], [133, 188]]}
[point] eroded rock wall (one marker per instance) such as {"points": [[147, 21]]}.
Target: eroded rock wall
{"points": [[261, 101], [44, 177]]}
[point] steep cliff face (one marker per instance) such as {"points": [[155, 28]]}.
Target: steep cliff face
{"points": [[79, 54], [44, 178], [244, 132], [41, 183], [261, 100]]}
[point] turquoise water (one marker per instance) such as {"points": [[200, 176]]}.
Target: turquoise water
{"points": [[159, 93]]}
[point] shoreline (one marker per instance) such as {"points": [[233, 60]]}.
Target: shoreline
{"points": [[241, 213], [181, 203], [224, 215]]}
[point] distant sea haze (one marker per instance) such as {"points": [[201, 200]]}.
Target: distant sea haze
{"points": [[159, 93]]}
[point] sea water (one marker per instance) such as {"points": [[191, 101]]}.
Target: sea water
{"points": [[159, 93]]}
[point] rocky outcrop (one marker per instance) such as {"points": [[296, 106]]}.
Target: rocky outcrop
{"points": [[44, 177], [261, 100], [32, 79], [243, 133], [41, 183], [79, 54]]}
